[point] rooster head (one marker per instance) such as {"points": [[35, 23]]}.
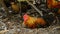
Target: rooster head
{"points": [[25, 17]]}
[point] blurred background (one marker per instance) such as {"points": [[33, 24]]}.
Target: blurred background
{"points": [[12, 12]]}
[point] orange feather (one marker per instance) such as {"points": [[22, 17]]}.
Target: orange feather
{"points": [[32, 22]]}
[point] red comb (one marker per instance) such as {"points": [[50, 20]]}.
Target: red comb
{"points": [[25, 17]]}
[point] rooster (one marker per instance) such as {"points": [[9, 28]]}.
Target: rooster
{"points": [[32, 22]]}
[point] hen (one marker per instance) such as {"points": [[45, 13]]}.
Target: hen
{"points": [[15, 7], [53, 4], [32, 22]]}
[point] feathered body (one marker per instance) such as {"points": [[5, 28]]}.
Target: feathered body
{"points": [[53, 4], [32, 22], [15, 7]]}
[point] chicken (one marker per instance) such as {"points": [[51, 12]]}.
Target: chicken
{"points": [[53, 3], [32, 22], [15, 7]]}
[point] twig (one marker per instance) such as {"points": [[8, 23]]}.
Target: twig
{"points": [[40, 12]]}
